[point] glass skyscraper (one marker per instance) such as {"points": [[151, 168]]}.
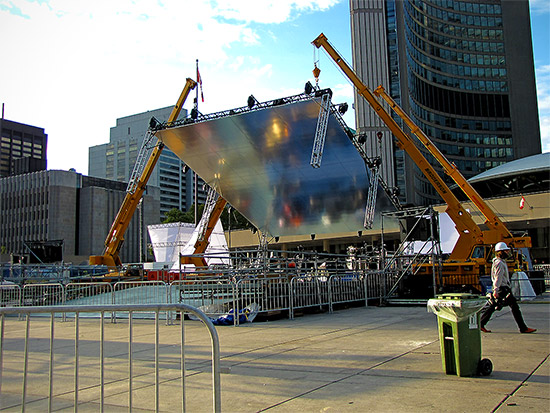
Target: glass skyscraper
{"points": [[463, 70]]}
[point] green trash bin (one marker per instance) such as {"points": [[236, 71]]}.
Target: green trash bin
{"points": [[458, 321]]}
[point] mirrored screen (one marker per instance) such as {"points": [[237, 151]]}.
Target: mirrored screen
{"points": [[259, 161]]}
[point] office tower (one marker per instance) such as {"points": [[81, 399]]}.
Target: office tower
{"points": [[463, 70], [72, 209], [116, 159], [22, 148]]}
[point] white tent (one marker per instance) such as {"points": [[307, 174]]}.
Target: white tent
{"points": [[171, 240], [168, 240], [217, 251]]}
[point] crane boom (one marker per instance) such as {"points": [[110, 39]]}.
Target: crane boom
{"points": [[115, 238], [469, 232]]}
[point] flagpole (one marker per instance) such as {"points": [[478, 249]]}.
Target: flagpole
{"points": [[194, 173]]}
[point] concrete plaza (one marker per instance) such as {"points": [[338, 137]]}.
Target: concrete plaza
{"points": [[380, 359]]}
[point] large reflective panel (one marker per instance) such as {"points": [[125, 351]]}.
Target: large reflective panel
{"points": [[259, 161]]}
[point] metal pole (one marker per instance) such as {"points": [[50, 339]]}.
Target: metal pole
{"points": [[76, 334], [157, 384], [25, 363], [51, 362], [102, 362], [130, 361], [195, 196]]}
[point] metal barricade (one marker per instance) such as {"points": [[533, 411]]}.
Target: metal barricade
{"points": [[32, 359], [93, 293], [376, 285], [307, 292], [215, 296], [271, 294], [43, 294], [141, 292], [345, 288], [10, 295]]}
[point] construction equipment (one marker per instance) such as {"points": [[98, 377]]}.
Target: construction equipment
{"points": [[135, 190], [213, 209], [472, 253]]}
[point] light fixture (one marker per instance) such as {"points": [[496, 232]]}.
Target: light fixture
{"points": [[312, 237], [359, 233], [308, 88], [251, 101], [276, 239], [194, 113], [343, 108]]}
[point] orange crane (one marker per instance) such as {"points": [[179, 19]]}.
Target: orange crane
{"points": [[212, 211], [115, 238], [472, 252]]}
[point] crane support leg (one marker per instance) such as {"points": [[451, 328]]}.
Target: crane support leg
{"points": [[320, 132]]}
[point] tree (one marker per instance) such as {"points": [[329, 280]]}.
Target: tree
{"points": [[175, 215], [238, 221]]}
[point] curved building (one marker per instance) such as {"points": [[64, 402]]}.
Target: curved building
{"points": [[464, 72]]}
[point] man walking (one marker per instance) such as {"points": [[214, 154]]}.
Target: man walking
{"points": [[502, 293]]}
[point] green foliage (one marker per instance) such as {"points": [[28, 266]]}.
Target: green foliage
{"points": [[175, 215]]}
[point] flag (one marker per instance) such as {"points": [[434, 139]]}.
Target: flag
{"points": [[522, 202], [199, 81]]}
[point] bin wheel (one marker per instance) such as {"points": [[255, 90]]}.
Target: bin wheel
{"points": [[485, 367]]}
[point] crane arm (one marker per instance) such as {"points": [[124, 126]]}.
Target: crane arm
{"points": [[469, 231], [115, 238], [203, 239]]}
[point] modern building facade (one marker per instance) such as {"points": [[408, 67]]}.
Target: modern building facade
{"points": [[464, 72], [23, 148], [72, 208], [115, 160]]}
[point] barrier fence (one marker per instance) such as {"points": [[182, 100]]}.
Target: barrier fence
{"points": [[36, 360], [220, 294]]}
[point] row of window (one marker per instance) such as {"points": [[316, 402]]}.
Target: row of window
{"points": [[440, 135], [19, 216], [18, 143], [475, 152], [468, 7], [465, 84], [16, 137], [18, 152], [11, 233], [23, 199], [423, 11], [457, 102], [473, 45], [420, 48], [457, 123], [415, 37]]}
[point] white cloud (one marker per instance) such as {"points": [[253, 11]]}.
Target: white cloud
{"points": [[539, 6], [76, 66], [270, 11], [543, 95]]}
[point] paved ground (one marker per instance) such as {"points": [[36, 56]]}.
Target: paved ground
{"points": [[381, 359]]}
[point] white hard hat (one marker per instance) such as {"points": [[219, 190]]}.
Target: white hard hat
{"points": [[501, 246]]}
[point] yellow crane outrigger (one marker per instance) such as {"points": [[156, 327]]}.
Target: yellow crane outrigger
{"points": [[115, 238], [462, 258]]}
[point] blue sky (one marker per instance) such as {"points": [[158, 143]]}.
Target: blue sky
{"points": [[74, 67]]}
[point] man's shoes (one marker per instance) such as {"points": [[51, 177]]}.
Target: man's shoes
{"points": [[529, 330], [488, 331]]}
